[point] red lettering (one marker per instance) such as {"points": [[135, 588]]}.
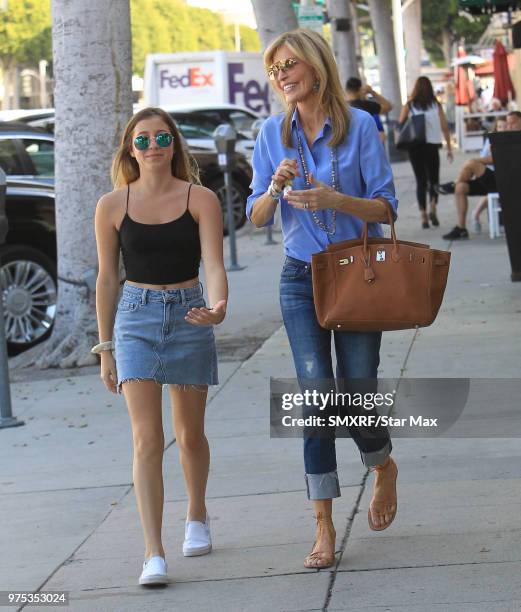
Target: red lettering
{"points": [[208, 79], [195, 77]]}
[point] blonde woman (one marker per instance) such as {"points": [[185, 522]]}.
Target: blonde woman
{"points": [[163, 221], [340, 178]]}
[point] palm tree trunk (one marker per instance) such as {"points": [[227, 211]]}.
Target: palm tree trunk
{"points": [[273, 18], [93, 101], [344, 41], [381, 18], [412, 28]]}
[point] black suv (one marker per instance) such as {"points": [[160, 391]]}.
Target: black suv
{"points": [[28, 259]]}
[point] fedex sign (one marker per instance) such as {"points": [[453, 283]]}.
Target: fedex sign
{"points": [[210, 77], [194, 77], [246, 92]]}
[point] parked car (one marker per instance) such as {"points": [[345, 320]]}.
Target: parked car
{"points": [[198, 123], [28, 151], [28, 264], [28, 259]]}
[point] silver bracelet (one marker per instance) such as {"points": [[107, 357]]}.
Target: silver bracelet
{"points": [[103, 346], [274, 191]]}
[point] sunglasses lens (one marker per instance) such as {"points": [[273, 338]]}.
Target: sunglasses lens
{"points": [[142, 142], [164, 139]]}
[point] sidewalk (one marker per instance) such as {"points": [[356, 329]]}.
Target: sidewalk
{"points": [[69, 517]]}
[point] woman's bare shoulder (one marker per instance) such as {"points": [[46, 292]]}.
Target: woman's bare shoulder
{"points": [[203, 196], [112, 200], [111, 206]]}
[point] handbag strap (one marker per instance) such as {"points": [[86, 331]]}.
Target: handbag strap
{"points": [[366, 252]]}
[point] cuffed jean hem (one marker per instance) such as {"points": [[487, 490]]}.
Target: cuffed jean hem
{"points": [[376, 457], [323, 486]]}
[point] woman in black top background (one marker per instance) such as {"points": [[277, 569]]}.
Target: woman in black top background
{"points": [[425, 157]]}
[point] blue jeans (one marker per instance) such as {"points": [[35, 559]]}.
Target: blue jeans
{"points": [[357, 355]]}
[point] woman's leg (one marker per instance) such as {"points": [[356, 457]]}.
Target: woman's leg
{"points": [[188, 408], [418, 163], [358, 357], [144, 407], [433, 174], [483, 205], [311, 349]]}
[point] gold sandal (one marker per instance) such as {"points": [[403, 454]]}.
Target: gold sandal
{"points": [[318, 559], [380, 506]]}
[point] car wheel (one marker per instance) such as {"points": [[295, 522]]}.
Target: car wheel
{"points": [[239, 197], [29, 293]]}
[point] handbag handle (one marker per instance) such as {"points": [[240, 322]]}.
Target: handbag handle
{"points": [[366, 252]]}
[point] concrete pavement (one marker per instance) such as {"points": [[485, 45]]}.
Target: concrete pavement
{"points": [[69, 517]]}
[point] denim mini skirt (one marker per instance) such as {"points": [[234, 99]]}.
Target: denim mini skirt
{"points": [[154, 342]]}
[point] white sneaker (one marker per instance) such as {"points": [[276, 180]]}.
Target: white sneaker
{"points": [[198, 540], [476, 226], [154, 571]]}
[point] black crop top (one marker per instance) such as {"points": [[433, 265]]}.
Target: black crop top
{"points": [[160, 253]]}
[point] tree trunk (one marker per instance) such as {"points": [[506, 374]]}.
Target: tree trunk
{"points": [[11, 99], [412, 28], [446, 39], [344, 42], [381, 19], [273, 18], [93, 102]]}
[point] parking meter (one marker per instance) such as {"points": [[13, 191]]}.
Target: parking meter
{"points": [[6, 416], [256, 126], [225, 138]]}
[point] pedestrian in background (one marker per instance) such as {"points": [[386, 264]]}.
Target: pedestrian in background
{"points": [[356, 95], [163, 221], [425, 157], [341, 178]]}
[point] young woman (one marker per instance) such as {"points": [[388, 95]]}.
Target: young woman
{"points": [[163, 221], [341, 178], [425, 157]]}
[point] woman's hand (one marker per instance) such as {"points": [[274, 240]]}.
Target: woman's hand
{"points": [[108, 371], [319, 197], [286, 171], [450, 156], [207, 316]]}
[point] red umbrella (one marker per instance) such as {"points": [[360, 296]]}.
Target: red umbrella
{"points": [[464, 87], [502, 81]]}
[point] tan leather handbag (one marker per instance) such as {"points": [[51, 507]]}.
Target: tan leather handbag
{"points": [[378, 284]]}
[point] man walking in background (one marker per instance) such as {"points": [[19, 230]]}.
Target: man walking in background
{"points": [[356, 95]]}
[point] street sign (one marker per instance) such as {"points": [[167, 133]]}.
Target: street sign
{"points": [[310, 17]]}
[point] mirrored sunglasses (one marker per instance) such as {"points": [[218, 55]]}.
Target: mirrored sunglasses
{"points": [[163, 140], [284, 65]]}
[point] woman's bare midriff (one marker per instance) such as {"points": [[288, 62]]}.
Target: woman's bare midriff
{"points": [[184, 285]]}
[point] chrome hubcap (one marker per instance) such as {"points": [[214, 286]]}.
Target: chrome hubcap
{"points": [[29, 299], [237, 205]]}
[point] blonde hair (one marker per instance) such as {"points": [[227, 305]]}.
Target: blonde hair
{"points": [[125, 168], [311, 48]]}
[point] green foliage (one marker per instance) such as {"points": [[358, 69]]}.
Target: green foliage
{"points": [[158, 26], [439, 18], [170, 26], [25, 32]]}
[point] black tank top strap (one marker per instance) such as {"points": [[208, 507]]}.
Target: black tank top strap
{"points": [[128, 194], [188, 196]]}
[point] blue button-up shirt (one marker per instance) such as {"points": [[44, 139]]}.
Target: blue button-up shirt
{"points": [[362, 171]]}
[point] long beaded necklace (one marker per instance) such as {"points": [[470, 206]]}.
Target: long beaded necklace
{"points": [[334, 184]]}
